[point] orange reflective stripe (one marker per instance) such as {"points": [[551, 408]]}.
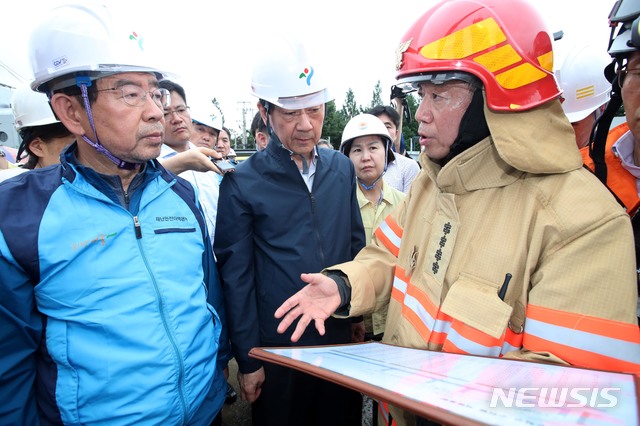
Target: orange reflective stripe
{"points": [[578, 357], [587, 341], [440, 329], [468, 340], [383, 408], [512, 341], [390, 235], [474, 334], [601, 326], [399, 288], [417, 323], [422, 298], [417, 308], [436, 327]]}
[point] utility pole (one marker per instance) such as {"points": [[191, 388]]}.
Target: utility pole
{"points": [[244, 108]]}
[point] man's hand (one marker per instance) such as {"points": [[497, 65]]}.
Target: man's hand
{"points": [[198, 160], [316, 301], [251, 385]]}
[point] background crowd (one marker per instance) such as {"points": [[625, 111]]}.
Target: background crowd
{"points": [[138, 258]]}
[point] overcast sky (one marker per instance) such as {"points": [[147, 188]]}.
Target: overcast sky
{"points": [[209, 44]]}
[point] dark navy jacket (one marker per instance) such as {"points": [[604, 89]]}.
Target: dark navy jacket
{"points": [[270, 229]]}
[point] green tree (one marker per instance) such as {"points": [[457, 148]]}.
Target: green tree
{"points": [[350, 107], [334, 122], [376, 99], [410, 127]]}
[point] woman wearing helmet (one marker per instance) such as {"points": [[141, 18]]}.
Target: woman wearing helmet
{"points": [[505, 245], [43, 136], [366, 142]]}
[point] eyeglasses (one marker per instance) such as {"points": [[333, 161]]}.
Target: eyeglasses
{"points": [[136, 96], [181, 111], [630, 79]]}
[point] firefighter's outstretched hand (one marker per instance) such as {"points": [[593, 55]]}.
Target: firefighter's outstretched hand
{"points": [[315, 302]]}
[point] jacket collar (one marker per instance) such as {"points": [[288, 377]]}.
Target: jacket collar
{"points": [[540, 140], [479, 167]]}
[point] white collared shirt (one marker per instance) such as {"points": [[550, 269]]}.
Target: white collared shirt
{"points": [[623, 149]]}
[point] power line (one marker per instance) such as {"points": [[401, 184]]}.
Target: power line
{"points": [[13, 73]]}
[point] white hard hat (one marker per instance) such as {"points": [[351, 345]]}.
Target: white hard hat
{"points": [[580, 75], [207, 114], [82, 39], [285, 75], [31, 108], [365, 125]]}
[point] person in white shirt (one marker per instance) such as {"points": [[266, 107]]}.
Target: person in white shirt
{"points": [[176, 140]]}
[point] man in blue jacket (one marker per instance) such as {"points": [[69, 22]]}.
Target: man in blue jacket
{"points": [[110, 304], [286, 210]]}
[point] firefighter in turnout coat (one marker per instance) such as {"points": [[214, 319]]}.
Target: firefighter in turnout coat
{"points": [[505, 244]]}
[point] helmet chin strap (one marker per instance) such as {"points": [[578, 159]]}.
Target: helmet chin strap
{"points": [[276, 139], [83, 83], [386, 164], [370, 187]]}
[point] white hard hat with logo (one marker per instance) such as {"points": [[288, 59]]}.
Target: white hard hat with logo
{"points": [[285, 75], [365, 125], [207, 114], [31, 108], [83, 39], [580, 75]]}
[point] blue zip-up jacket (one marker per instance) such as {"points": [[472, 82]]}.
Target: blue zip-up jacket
{"points": [[270, 228], [104, 317]]}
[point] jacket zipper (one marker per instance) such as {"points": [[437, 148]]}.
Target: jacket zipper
{"points": [[136, 226], [315, 227], [138, 230]]}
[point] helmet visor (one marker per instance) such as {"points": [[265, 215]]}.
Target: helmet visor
{"points": [[410, 83], [624, 11]]}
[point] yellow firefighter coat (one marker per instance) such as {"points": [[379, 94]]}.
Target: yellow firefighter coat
{"points": [[517, 203]]}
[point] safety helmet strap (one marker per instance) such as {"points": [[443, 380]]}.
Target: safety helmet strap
{"points": [[84, 83]]}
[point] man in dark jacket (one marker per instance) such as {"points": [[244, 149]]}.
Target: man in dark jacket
{"points": [[286, 210]]}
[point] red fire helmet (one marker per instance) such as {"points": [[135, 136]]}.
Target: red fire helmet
{"points": [[504, 43]]}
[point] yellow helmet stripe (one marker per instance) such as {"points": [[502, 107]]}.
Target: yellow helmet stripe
{"points": [[467, 41], [520, 76], [546, 61], [585, 92], [499, 58]]}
